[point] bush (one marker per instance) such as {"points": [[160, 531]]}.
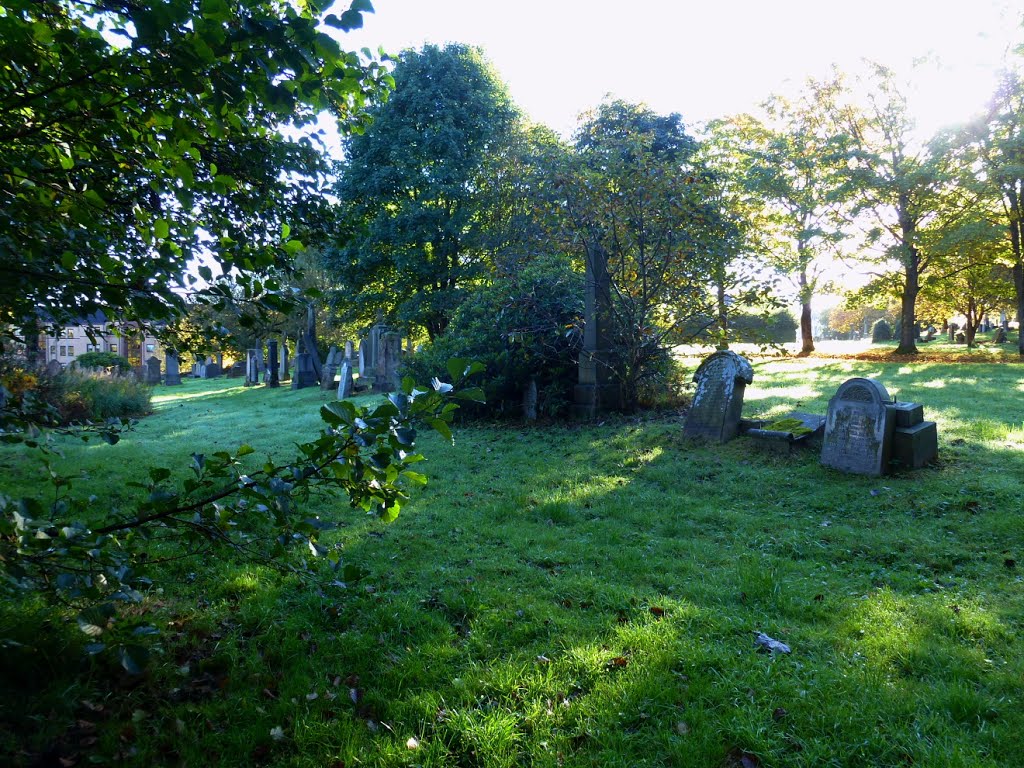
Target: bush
{"points": [[103, 360], [77, 396], [881, 331], [525, 325], [663, 385]]}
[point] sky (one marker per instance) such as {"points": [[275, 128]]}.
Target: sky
{"points": [[708, 59]]}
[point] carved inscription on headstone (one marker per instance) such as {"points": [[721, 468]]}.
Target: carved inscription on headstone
{"points": [[718, 403], [858, 428]]}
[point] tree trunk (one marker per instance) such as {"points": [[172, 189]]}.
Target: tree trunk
{"points": [[806, 334], [1018, 281], [723, 316], [908, 329]]}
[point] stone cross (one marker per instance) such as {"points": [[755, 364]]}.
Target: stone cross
{"points": [[715, 411], [858, 428]]}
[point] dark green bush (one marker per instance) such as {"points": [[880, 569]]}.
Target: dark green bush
{"points": [[663, 385], [881, 331], [80, 397], [525, 325], [103, 360]]}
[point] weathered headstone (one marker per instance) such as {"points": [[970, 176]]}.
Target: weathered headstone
{"points": [[305, 373], [211, 370], [858, 428], [330, 368], [362, 358], [173, 374], [53, 368], [151, 371], [285, 370], [1000, 337], [389, 357], [237, 370], [915, 442], [274, 380], [349, 350], [252, 368], [718, 403], [346, 386]]}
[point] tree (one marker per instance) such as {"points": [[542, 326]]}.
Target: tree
{"points": [[789, 165], [998, 140], [413, 234], [970, 277], [138, 137], [633, 196], [893, 181]]}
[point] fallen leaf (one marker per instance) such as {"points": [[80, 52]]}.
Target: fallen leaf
{"points": [[682, 728], [619, 662], [779, 713], [277, 733], [312, 696], [657, 611], [412, 743]]}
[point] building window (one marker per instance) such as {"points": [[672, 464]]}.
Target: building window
{"points": [[70, 334], [151, 347], [71, 351], [53, 350], [113, 348], [63, 351]]}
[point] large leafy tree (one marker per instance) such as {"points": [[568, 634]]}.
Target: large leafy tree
{"points": [[632, 195], [414, 232], [789, 166], [895, 183], [998, 142], [136, 137]]}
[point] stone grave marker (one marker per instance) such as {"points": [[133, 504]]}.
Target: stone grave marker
{"points": [[173, 374], [151, 371], [305, 373], [330, 368], [274, 380], [858, 428], [715, 411], [53, 368], [252, 369], [346, 387]]}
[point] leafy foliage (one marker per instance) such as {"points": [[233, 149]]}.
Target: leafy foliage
{"points": [[881, 331], [138, 137], [525, 326], [413, 236], [103, 360]]}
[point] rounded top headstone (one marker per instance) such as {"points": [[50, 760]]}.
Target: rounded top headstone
{"points": [[862, 390], [725, 363]]}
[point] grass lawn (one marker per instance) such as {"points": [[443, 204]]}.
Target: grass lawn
{"points": [[576, 595]]}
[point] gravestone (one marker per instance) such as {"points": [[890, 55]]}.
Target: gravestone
{"points": [[285, 370], [252, 369], [211, 370], [237, 370], [389, 357], [173, 375], [915, 442], [53, 368], [305, 373], [362, 358], [151, 371], [330, 368], [274, 380], [346, 387], [858, 428], [262, 363], [1000, 337], [349, 353], [718, 402]]}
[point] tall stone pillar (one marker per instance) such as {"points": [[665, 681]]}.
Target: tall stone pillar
{"points": [[596, 389], [274, 379]]}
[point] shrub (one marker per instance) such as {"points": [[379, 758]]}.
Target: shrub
{"points": [[523, 326], [76, 396], [663, 385], [881, 331], [103, 360]]}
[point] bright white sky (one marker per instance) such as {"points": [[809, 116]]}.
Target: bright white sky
{"points": [[707, 59]]}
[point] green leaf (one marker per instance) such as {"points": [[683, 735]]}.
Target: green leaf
{"points": [[161, 229], [134, 659], [457, 368]]}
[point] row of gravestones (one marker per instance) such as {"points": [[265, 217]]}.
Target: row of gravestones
{"points": [[864, 430]]}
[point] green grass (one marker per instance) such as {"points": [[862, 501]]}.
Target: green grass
{"points": [[581, 596]]}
